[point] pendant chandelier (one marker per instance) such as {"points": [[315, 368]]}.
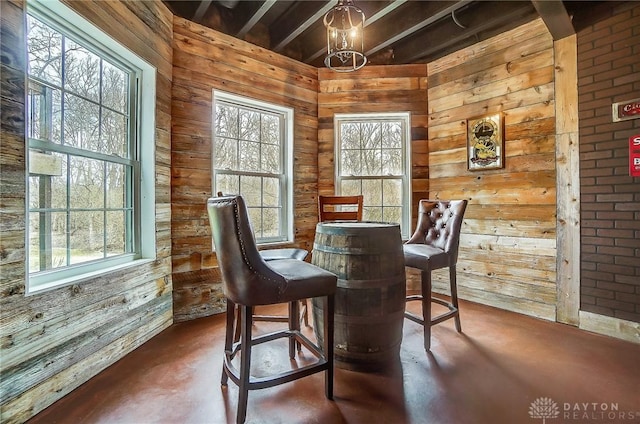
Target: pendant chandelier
{"points": [[345, 37]]}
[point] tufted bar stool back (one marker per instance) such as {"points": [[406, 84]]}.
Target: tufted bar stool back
{"points": [[434, 245]]}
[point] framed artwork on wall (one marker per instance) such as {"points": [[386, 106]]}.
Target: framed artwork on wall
{"points": [[485, 142]]}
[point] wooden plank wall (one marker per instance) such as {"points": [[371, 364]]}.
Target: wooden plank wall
{"points": [[52, 342], [508, 246], [204, 60], [398, 88]]}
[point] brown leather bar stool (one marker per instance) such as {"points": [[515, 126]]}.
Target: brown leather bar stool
{"points": [[283, 253], [434, 245], [249, 281]]}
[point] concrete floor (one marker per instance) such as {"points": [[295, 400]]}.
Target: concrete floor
{"points": [[492, 373]]}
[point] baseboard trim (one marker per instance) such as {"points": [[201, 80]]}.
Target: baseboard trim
{"points": [[609, 326]]}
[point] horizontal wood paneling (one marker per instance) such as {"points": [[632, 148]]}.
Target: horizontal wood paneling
{"points": [[204, 60], [52, 342], [508, 243]]}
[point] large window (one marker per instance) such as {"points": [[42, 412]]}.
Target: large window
{"points": [[86, 168], [252, 157], [372, 153]]}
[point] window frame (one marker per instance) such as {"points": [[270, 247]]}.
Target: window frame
{"points": [[405, 177], [142, 95], [285, 177]]}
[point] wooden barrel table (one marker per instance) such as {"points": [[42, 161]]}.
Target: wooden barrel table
{"points": [[370, 299]]}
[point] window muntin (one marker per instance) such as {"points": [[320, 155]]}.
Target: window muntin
{"points": [[252, 157], [372, 154], [85, 175]]}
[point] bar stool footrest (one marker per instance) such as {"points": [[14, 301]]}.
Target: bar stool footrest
{"points": [[256, 383]]}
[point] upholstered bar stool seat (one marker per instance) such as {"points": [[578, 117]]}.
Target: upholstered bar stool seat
{"points": [[250, 281], [284, 253]]}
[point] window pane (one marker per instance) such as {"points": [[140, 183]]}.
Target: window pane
{"points": [[82, 71], [271, 192], [86, 236], [43, 111], [270, 158], [228, 184], [270, 222], [81, 119], [372, 191], [47, 240], [391, 162], [115, 235], [226, 124], [249, 156], [392, 135], [372, 213], [350, 136], [34, 243], [351, 187], [351, 163], [115, 86], [87, 183], [251, 190], [370, 135], [270, 129], [47, 180], [45, 52], [255, 218], [115, 185], [114, 134], [371, 162], [249, 125], [392, 190], [226, 153], [392, 214]]}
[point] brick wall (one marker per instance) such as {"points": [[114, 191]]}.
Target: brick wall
{"points": [[608, 72]]}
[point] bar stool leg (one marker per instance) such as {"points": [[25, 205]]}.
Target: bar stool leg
{"points": [[245, 362], [426, 307], [304, 311], [454, 296], [228, 337], [294, 325], [328, 322]]}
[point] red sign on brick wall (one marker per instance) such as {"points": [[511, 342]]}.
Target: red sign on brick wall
{"points": [[626, 110], [634, 155]]}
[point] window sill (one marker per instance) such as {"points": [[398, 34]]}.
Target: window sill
{"points": [[82, 278]]}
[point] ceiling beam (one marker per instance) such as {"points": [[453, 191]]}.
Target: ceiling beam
{"points": [[255, 18], [304, 25], [555, 17], [202, 8]]}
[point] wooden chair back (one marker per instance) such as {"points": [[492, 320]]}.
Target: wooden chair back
{"points": [[340, 208]]}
